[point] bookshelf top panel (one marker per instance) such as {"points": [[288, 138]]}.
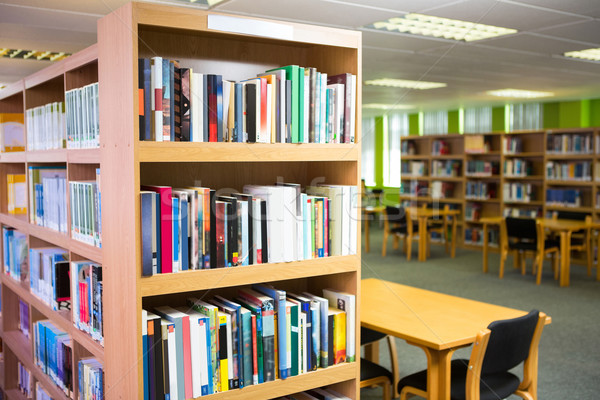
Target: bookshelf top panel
{"points": [[15, 88]]}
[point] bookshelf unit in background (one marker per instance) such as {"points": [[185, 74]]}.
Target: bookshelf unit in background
{"points": [[140, 30], [526, 165], [46, 86]]}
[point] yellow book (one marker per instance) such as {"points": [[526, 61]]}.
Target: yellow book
{"points": [[339, 335], [12, 132], [19, 192], [9, 192], [223, 361]]}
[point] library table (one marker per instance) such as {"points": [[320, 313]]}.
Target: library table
{"points": [[422, 214], [437, 323], [367, 212]]}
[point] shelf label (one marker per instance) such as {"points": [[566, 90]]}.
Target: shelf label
{"points": [[250, 27]]}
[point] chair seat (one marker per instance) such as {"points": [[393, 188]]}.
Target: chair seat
{"points": [[369, 336], [493, 387], [532, 246], [370, 370]]}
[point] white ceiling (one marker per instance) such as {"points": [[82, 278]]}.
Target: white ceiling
{"points": [[530, 59]]}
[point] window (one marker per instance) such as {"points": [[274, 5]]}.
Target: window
{"points": [[368, 151], [395, 125]]}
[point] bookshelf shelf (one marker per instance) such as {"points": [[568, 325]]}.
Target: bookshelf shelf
{"points": [[247, 152], [586, 156], [83, 156], [576, 209], [47, 156], [16, 157], [484, 177], [188, 281], [405, 177], [414, 157], [15, 394], [524, 203], [524, 178], [531, 154], [18, 222], [447, 157], [486, 154], [448, 178], [569, 183]]}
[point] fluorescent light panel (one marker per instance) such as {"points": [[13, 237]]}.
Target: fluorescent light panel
{"points": [[33, 54], [588, 54], [517, 93], [389, 106], [403, 83], [444, 28]]}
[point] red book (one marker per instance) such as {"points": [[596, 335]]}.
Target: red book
{"points": [[187, 357], [166, 229], [263, 110], [212, 108], [254, 357]]}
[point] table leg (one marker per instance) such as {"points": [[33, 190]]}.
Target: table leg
{"points": [[438, 373], [367, 241], [565, 253], [372, 352], [422, 239], [485, 248], [453, 251]]}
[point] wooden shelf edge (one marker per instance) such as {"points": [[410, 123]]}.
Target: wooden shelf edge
{"points": [[249, 152], [15, 394], [88, 251], [321, 377], [47, 156], [50, 236], [61, 322], [12, 341], [83, 156], [12, 89], [19, 223], [13, 157], [189, 281]]}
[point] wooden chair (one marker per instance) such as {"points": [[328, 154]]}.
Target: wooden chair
{"points": [[580, 240], [501, 347], [440, 226], [373, 374], [526, 235], [398, 223]]}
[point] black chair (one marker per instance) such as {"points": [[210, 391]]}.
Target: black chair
{"points": [[523, 235], [373, 374], [486, 375], [581, 239], [398, 223]]}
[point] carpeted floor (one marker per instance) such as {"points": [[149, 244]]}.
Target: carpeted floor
{"points": [[569, 363]]}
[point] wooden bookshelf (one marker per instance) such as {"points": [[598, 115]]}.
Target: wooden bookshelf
{"points": [[145, 30], [45, 86]]}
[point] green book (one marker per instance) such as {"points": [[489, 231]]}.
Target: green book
{"points": [[211, 312], [295, 328], [259, 339], [295, 74]]}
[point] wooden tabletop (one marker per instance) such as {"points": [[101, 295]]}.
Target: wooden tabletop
{"points": [[434, 320], [430, 212]]}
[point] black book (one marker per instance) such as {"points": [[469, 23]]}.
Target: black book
{"points": [[218, 87], [165, 360], [172, 99], [158, 360], [205, 106], [251, 111], [232, 230], [146, 217], [145, 120], [263, 231], [213, 230], [330, 353], [63, 284], [288, 111], [177, 102], [305, 309], [249, 227], [184, 104]]}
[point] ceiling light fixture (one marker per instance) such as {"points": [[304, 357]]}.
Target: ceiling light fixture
{"points": [[389, 106], [587, 54], [403, 83], [517, 93], [33, 54], [443, 28]]}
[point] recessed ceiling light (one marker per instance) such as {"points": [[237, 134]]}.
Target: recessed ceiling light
{"points": [[588, 54], [33, 54], [389, 106], [523, 94], [444, 28], [402, 83]]}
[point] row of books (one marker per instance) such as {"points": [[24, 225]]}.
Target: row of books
{"points": [[413, 168], [46, 127], [472, 212], [476, 144], [12, 132], [53, 353], [91, 379], [262, 335], [512, 145], [522, 212], [569, 144], [407, 148], [23, 324], [47, 197], [440, 148], [440, 190], [597, 199], [480, 190], [289, 104], [414, 188], [474, 236], [16, 191], [481, 168], [516, 167], [49, 277], [518, 192], [597, 171], [86, 211], [569, 171], [86, 298], [563, 197], [316, 394], [24, 380], [82, 117], [14, 246], [448, 168], [197, 228]]}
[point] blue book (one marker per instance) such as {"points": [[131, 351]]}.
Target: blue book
{"points": [[238, 135], [256, 311], [144, 355], [158, 256], [218, 79], [207, 389], [184, 236], [176, 244], [238, 323], [146, 233], [205, 110], [324, 327]]}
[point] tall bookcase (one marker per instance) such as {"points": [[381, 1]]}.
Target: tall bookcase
{"points": [[533, 150], [240, 48], [46, 86]]}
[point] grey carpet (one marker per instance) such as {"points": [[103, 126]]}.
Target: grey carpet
{"points": [[569, 362]]}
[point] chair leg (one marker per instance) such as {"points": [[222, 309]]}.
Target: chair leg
{"points": [[523, 261], [384, 244], [428, 241], [503, 254], [409, 241], [386, 391], [588, 253], [540, 262], [516, 259], [396, 242], [555, 265]]}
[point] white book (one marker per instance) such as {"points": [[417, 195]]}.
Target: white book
{"points": [[196, 114], [323, 100], [353, 109], [195, 349], [275, 219], [270, 125], [172, 348], [336, 209], [307, 234], [345, 302], [256, 231], [227, 135], [354, 215], [306, 104], [338, 111], [156, 104]]}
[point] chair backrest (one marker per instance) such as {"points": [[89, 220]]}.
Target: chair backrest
{"points": [[395, 215], [509, 343], [521, 228]]}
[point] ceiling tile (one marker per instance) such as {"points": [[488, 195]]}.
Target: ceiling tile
{"points": [[585, 31], [32, 38], [401, 6], [395, 41], [530, 43], [584, 7], [47, 18], [101, 7]]}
